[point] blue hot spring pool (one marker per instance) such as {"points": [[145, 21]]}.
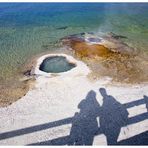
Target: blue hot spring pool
{"points": [[56, 64]]}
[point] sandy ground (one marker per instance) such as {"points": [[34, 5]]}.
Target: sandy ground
{"points": [[45, 115]]}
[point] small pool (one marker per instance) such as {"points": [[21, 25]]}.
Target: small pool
{"points": [[93, 40], [56, 64]]}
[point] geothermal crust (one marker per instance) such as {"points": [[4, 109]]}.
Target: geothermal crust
{"points": [[79, 68], [108, 55], [46, 112]]}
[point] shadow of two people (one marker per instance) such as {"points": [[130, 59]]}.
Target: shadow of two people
{"points": [[112, 116]]}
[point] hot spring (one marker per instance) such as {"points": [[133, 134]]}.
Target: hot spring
{"points": [[56, 64]]}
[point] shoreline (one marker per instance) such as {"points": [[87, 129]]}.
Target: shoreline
{"points": [[57, 98], [23, 83], [123, 69], [28, 81]]}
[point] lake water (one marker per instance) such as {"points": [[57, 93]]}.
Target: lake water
{"points": [[27, 28]]}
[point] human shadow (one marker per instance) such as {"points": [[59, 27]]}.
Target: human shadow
{"points": [[84, 123], [113, 116]]}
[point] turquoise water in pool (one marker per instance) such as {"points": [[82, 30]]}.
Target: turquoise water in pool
{"points": [[56, 64], [26, 28]]}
